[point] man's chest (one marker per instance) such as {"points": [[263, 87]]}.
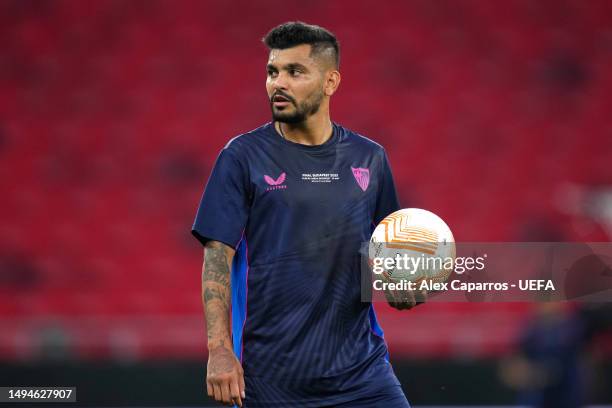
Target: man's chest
{"points": [[307, 183]]}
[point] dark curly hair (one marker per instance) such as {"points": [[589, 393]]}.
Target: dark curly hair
{"points": [[295, 33]]}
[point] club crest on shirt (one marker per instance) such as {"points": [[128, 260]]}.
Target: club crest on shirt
{"points": [[275, 184], [362, 177]]}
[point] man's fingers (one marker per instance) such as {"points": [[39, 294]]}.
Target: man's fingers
{"points": [[408, 298], [225, 392], [403, 299], [235, 392], [242, 386], [422, 297], [209, 389], [217, 392]]}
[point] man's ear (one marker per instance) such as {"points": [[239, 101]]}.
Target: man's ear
{"points": [[332, 82]]}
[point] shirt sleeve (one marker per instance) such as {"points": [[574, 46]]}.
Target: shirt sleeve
{"points": [[224, 207], [387, 201]]}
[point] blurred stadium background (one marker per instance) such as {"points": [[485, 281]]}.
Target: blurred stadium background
{"points": [[496, 116]]}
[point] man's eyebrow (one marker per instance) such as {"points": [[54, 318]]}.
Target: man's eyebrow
{"points": [[293, 65]]}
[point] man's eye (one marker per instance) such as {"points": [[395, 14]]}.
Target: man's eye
{"points": [[294, 72], [272, 73]]}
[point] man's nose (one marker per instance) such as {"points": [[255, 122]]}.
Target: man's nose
{"points": [[280, 82]]}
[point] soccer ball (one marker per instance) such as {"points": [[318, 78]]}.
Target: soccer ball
{"points": [[419, 242]]}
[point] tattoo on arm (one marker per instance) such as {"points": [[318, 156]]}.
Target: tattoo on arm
{"points": [[216, 293]]}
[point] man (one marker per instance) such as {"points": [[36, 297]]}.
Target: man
{"points": [[286, 209]]}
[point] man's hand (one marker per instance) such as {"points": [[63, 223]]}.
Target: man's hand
{"points": [[224, 376], [403, 299]]}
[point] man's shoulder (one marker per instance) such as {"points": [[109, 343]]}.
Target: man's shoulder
{"points": [[360, 141], [245, 141]]}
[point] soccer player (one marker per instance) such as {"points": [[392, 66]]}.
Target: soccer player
{"points": [[282, 219]]}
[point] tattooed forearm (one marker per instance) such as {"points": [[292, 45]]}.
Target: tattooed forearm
{"points": [[217, 266], [216, 292]]}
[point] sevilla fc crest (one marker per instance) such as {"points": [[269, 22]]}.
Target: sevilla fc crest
{"points": [[362, 176]]}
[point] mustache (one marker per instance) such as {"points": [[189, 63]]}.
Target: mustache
{"points": [[281, 93]]}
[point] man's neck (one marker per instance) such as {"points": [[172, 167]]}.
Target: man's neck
{"points": [[313, 131]]}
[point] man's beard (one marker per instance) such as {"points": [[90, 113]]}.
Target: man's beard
{"points": [[302, 111]]}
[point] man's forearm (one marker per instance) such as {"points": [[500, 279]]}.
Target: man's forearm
{"points": [[216, 295]]}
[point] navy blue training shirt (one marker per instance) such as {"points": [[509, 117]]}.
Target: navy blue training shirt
{"points": [[297, 216]]}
